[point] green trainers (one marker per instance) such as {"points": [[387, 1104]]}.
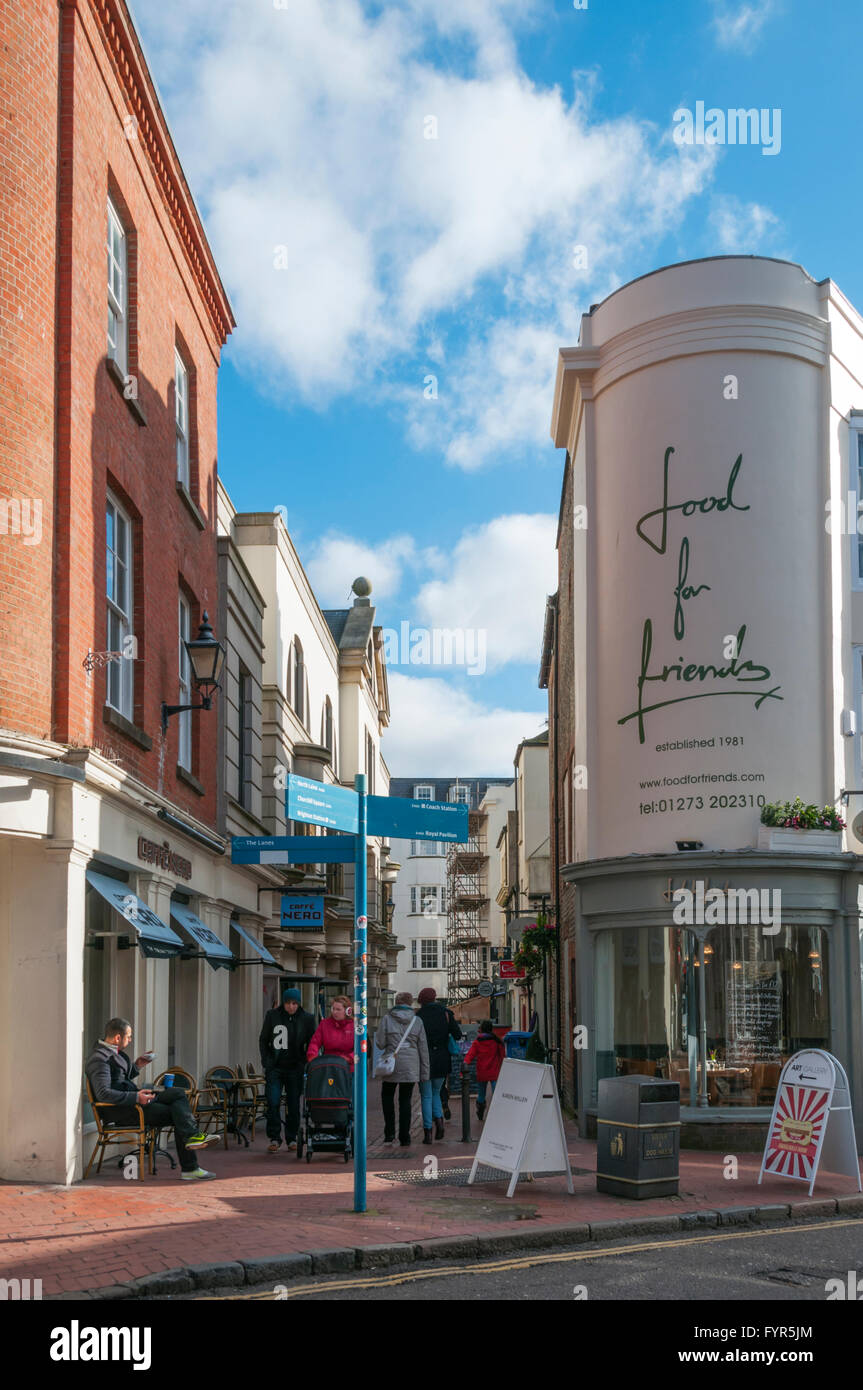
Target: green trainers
{"points": [[200, 1141], [196, 1174]]}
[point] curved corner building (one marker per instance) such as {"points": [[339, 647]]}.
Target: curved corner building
{"points": [[713, 420]]}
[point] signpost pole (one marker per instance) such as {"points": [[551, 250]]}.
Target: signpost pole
{"points": [[361, 1018]]}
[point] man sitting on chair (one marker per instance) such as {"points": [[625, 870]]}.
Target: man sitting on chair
{"points": [[111, 1073]]}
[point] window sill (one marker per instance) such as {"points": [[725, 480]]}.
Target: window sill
{"points": [[192, 506], [120, 379], [184, 775], [125, 726]]}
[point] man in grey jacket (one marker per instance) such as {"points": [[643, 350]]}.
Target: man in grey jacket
{"points": [[400, 1028], [111, 1075]]}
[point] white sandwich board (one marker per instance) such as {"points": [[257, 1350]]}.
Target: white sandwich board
{"points": [[812, 1121], [523, 1130]]}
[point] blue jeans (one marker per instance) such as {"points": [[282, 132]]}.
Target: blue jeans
{"points": [[430, 1100], [480, 1090]]}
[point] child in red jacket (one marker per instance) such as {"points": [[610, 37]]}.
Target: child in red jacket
{"points": [[489, 1052]]}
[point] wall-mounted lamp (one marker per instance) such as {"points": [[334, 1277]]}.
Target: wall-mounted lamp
{"points": [[207, 657]]}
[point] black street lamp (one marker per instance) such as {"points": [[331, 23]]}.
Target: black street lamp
{"points": [[207, 657]]}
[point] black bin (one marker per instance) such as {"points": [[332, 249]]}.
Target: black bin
{"points": [[638, 1132]]}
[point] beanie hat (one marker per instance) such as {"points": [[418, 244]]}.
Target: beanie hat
{"points": [[290, 995], [427, 995]]}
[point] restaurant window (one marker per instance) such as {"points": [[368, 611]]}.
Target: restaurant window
{"points": [[767, 996]]}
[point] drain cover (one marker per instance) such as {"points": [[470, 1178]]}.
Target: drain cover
{"points": [[457, 1177]]}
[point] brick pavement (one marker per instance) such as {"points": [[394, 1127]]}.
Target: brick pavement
{"points": [[109, 1230]]}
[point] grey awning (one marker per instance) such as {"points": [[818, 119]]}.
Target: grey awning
{"points": [[154, 937], [260, 950], [218, 955]]}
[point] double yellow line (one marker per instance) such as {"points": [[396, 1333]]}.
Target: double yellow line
{"points": [[388, 1281]]}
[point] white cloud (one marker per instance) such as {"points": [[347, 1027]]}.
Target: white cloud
{"points": [[497, 582], [303, 128], [337, 560], [745, 228], [441, 730], [739, 25]]}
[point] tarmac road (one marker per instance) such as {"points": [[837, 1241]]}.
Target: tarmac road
{"points": [[790, 1264]]}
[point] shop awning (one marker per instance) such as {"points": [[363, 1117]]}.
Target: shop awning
{"points": [[154, 938], [260, 950], [218, 955]]}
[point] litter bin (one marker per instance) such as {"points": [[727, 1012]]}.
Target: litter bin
{"points": [[516, 1045], [638, 1133]]}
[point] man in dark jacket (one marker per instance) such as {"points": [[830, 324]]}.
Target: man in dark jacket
{"points": [[440, 1026], [111, 1075], [283, 1044]]}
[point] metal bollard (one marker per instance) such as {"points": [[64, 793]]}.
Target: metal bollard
{"points": [[465, 1105]]}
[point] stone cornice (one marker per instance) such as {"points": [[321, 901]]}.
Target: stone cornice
{"points": [[124, 50]]}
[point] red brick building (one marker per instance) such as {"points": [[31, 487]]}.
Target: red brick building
{"points": [[112, 321]]}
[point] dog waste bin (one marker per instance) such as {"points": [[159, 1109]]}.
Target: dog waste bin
{"points": [[638, 1133]]}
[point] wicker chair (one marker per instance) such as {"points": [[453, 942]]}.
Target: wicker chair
{"points": [[259, 1082], [239, 1104], [113, 1132]]}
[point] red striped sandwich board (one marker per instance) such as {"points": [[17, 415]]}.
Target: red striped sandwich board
{"points": [[812, 1122]]}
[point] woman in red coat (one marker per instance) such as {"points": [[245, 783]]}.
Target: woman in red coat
{"points": [[335, 1035], [489, 1053]]}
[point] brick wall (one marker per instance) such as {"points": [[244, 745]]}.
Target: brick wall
{"points": [[28, 193], [110, 434]]}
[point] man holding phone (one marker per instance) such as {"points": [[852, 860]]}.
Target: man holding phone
{"points": [[111, 1075]]}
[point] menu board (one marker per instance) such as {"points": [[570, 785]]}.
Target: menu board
{"points": [[753, 995]]}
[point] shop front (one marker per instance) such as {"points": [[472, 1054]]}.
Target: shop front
{"points": [[718, 1004], [103, 914]]}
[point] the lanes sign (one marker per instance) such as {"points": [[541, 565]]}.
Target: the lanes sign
{"points": [[292, 849]]}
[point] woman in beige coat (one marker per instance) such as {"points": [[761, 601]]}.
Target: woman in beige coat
{"points": [[411, 1065]]}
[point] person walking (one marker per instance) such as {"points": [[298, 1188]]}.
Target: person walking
{"points": [[440, 1026], [400, 1034], [284, 1040], [489, 1051], [444, 1090], [335, 1035]]}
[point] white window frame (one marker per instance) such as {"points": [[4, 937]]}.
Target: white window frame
{"points": [[118, 289], [429, 959], [421, 893], [181, 417], [857, 653], [457, 794], [423, 791], [184, 731], [855, 497], [119, 693]]}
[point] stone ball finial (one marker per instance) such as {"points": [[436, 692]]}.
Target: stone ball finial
{"points": [[362, 587]]}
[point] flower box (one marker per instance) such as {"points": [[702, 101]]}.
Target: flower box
{"points": [[788, 841]]}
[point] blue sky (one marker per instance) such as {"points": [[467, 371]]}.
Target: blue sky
{"points": [[363, 258]]}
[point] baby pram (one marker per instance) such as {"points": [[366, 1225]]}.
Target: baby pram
{"points": [[328, 1112]]}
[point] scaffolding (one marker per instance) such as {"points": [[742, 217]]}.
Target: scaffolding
{"points": [[467, 903]]}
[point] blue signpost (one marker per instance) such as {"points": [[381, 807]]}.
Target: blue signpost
{"points": [[361, 1016], [360, 815]]}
